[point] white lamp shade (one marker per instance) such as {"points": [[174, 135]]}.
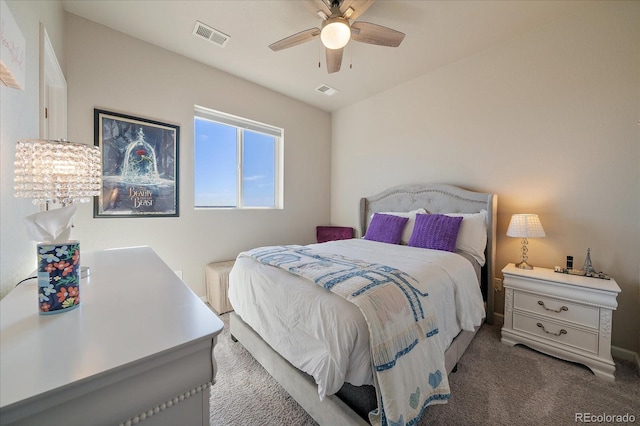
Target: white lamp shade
{"points": [[335, 33], [57, 171], [525, 226]]}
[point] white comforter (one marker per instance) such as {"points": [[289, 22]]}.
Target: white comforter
{"points": [[326, 336]]}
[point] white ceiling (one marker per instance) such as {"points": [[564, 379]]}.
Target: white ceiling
{"points": [[437, 33]]}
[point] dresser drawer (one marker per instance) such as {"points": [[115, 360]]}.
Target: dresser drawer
{"points": [[561, 310], [560, 333]]}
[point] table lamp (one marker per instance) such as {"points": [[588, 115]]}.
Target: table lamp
{"points": [[64, 173], [525, 226]]}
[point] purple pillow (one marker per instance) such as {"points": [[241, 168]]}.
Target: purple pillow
{"points": [[386, 228], [435, 231]]}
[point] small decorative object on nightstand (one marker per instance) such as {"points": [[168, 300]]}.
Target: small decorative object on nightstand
{"points": [[586, 271], [588, 266], [563, 315], [332, 233]]}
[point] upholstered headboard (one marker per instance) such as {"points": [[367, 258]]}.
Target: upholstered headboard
{"points": [[440, 198]]}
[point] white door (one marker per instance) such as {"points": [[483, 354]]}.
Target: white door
{"points": [[53, 92]]}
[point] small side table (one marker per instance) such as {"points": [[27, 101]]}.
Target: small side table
{"points": [[566, 316], [333, 233]]}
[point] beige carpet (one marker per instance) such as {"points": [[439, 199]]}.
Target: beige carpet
{"points": [[495, 385]]}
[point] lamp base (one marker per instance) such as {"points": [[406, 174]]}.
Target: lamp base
{"points": [[523, 265]]}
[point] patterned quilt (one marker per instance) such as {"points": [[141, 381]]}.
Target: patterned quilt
{"points": [[406, 351]]}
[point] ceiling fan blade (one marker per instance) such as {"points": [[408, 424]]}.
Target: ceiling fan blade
{"points": [[315, 6], [334, 60], [296, 39], [356, 8], [366, 32]]}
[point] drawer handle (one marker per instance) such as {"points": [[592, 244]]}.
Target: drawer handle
{"points": [[563, 308], [562, 330]]}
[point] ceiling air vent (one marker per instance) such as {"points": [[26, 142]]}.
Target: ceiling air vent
{"points": [[211, 34], [327, 90]]}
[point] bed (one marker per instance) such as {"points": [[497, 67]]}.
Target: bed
{"points": [[272, 320]]}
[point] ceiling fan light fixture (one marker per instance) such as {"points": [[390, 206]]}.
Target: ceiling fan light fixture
{"points": [[335, 33]]}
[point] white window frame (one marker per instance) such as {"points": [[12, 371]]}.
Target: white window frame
{"points": [[254, 126]]}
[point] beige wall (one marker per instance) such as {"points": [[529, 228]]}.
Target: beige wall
{"points": [[19, 120], [109, 70], [548, 121]]}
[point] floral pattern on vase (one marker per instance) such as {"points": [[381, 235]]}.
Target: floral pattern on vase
{"points": [[58, 277]]}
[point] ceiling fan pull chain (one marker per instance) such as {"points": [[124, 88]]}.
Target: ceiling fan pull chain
{"points": [[350, 51], [350, 57]]}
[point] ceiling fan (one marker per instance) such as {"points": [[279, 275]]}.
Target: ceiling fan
{"points": [[338, 27]]}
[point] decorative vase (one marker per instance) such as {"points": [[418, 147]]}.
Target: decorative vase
{"points": [[58, 277]]}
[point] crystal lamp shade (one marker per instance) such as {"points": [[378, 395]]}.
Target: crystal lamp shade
{"points": [[57, 171], [335, 33], [525, 226]]}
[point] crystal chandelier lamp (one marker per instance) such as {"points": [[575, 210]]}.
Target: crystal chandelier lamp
{"points": [[62, 172]]}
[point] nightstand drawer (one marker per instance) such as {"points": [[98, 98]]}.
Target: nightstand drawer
{"points": [[559, 309], [560, 333]]}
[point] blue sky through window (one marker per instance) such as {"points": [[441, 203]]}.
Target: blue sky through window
{"points": [[215, 164], [258, 171], [216, 180]]}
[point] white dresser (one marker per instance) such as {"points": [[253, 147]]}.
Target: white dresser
{"points": [[567, 316], [138, 349]]}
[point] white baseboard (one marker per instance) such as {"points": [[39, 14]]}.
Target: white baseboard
{"points": [[623, 354], [203, 298], [626, 355]]}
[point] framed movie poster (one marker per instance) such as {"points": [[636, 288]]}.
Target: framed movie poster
{"points": [[139, 166]]}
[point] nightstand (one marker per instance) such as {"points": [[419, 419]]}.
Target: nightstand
{"points": [[566, 316]]}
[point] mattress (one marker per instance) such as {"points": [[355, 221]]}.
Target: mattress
{"points": [[326, 336]]}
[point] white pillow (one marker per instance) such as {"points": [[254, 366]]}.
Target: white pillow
{"points": [[408, 228], [472, 236]]}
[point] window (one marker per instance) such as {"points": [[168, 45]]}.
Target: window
{"points": [[238, 162]]}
